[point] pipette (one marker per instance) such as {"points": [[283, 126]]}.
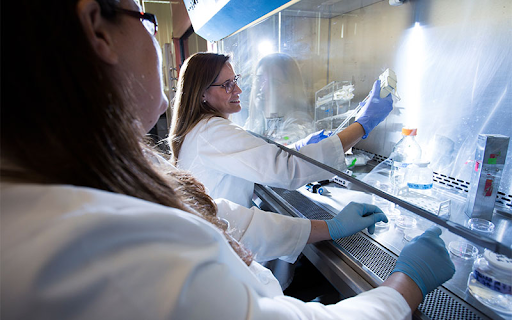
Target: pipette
{"points": [[387, 87]]}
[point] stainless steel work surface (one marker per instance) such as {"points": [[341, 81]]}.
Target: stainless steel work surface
{"points": [[372, 257]]}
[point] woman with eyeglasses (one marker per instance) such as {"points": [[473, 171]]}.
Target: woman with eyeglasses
{"points": [[91, 229], [227, 159]]}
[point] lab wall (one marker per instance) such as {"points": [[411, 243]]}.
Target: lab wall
{"points": [[453, 61]]}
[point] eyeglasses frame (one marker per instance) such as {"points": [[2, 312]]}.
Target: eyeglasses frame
{"points": [[225, 86], [142, 16]]}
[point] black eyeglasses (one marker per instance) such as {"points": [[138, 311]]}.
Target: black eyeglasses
{"points": [[147, 19], [229, 85]]}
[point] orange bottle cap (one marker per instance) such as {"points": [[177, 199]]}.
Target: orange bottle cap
{"points": [[409, 131]]}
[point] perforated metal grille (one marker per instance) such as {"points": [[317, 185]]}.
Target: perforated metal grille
{"points": [[439, 305], [371, 256], [307, 207], [504, 199]]}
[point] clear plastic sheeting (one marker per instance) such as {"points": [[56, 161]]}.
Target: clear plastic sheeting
{"points": [[452, 61], [278, 108]]}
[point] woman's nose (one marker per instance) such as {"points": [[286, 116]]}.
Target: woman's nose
{"points": [[237, 88]]}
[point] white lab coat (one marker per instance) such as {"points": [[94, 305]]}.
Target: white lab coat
{"points": [[267, 234], [79, 253], [228, 161]]}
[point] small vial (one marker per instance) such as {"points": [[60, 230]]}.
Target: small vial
{"points": [[490, 281]]}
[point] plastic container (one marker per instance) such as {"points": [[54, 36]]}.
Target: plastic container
{"points": [[481, 225], [490, 282], [388, 207], [463, 250], [419, 177], [405, 222], [412, 233], [405, 152]]}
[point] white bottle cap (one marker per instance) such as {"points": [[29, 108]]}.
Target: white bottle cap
{"points": [[499, 261]]}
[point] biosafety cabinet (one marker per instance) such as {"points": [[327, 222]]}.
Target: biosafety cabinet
{"points": [[452, 63]]}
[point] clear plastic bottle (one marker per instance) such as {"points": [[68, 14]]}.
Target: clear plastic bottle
{"points": [[490, 282], [405, 152], [419, 178]]}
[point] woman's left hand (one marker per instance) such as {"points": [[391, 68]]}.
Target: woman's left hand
{"points": [[312, 138]]}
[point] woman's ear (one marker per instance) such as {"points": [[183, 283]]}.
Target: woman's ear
{"points": [[97, 30]]}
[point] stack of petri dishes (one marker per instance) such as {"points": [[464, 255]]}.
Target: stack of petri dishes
{"points": [[490, 282]]}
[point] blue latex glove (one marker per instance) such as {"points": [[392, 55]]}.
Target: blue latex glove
{"points": [[426, 261], [312, 138], [354, 218], [375, 109]]}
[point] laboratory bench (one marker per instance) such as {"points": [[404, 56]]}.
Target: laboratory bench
{"points": [[362, 261]]}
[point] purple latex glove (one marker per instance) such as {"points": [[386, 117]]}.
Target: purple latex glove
{"points": [[312, 138], [374, 110]]}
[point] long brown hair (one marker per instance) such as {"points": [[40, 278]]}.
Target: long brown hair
{"points": [[198, 72], [69, 122]]}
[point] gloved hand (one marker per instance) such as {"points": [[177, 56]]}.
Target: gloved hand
{"points": [[426, 261], [354, 218], [374, 110], [312, 138]]}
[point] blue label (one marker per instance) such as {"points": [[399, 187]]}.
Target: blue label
{"points": [[418, 186], [400, 165], [491, 283]]}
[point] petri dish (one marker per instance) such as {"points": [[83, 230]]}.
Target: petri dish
{"points": [[386, 206], [463, 249], [405, 222], [481, 225], [392, 213], [412, 233], [381, 227]]}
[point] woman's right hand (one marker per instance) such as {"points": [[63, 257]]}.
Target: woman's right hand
{"points": [[426, 261]]}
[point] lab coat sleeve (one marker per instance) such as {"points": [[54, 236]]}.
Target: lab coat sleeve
{"points": [[118, 257], [227, 147], [380, 303], [268, 235], [239, 301]]}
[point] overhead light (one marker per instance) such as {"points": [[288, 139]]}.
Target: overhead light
{"points": [[396, 2], [265, 47]]}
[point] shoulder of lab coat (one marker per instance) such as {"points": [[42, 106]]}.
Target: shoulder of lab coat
{"points": [[80, 253], [268, 235], [227, 147]]}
